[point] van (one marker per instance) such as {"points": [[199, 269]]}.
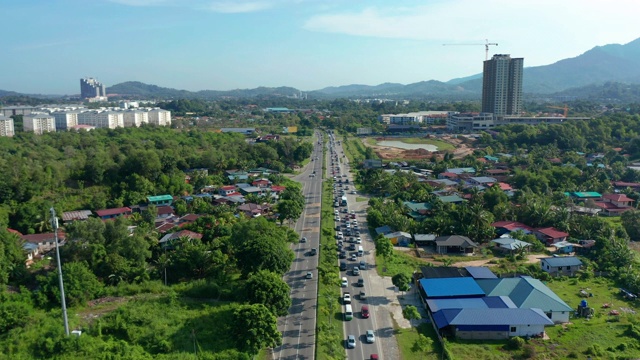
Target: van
{"points": [[348, 312], [360, 250]]}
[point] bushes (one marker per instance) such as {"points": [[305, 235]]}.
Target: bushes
{"points": [[515, 343]]}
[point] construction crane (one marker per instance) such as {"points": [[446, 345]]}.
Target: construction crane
{"points": [[565, 108], [486, 47]]}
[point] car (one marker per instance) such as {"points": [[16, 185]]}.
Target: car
{"points": [[360, 282], [309, 275], [343, 266], [374, 357], [303, 240], [346, 299], [363, 265], [355, 271], [351, 342], [344, 282], [312, 175], [343, 255], [314, 251], [354, 192], [354, 257], [371, 338], [363, 297], [358, 240]]}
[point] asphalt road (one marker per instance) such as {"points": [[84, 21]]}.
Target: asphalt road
{"points": [[299, 326], [359, 325]]}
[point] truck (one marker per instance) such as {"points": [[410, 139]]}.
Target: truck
{"points": [[344, 201]]}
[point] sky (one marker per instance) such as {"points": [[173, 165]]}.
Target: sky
{"points": [[48, 45]]}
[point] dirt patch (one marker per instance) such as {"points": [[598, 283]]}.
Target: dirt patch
{"points": [[391, 153]]}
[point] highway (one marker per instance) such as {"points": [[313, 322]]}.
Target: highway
{"points": [[359, 325], [299, 326]]}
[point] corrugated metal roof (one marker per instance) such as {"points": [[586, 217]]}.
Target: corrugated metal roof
{"points": [[491, 317], [562, 261], [525, 292], [480, 272], [451, 287]]}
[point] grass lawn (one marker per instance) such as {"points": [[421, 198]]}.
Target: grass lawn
{"points": [[400, 262], [572, 340], [359, 199], [409, 350], [614, 221]]}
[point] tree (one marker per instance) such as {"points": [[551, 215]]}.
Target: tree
{"points": [[289, 210], [384, 247], [411, 313], [80, 284], [263, 253], [402, 281], [631, 223], [12, 258], [255, 328], [267, 288]]}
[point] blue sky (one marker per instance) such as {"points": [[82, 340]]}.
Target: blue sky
{"points": [[308, 44]]}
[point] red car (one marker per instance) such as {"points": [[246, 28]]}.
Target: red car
{"points": [[374, 357], [365, 312]]}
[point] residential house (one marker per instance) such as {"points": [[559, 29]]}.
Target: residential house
{"points": [[459, 171], [444, 184], [106, 214], [417, 211], [584, 195], [424, 239], [261, 183], [481, 181], [46, 241], [160, 200], [505, 227], [529, 293], [615, 204], [561, 265], [372, 164], [399, 238], [253, 210], [455, 244], [563, 247], [451, 199], [227, 190], [252, 190], [550, 235], [164, 212], [621, 185], [383, 230], [167, 241], [78, 215], [448, 175], [510, 245]]}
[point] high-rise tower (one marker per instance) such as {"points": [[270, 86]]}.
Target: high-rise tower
{"points": [[91, 88], [502, 86]]}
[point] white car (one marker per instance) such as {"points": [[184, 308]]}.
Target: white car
{"points": [[371, 338], [351, 342], [359, 241], [346, 299], [344, 282]]}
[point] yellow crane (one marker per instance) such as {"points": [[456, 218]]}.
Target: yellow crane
{"points": [[486, 47], [565, 108]]}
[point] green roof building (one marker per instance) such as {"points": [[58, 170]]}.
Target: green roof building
{"points": [[160, 200]]}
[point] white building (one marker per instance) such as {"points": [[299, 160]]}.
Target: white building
{"points": [[65, 119], [419, 117], [160, 117], [39, 123], [6, 126], [470, 122], [135, 118], [101, 119]]}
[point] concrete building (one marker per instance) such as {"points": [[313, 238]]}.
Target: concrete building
{"points": [[135, 118], [90, 88], [159, 117], [17, 110], [101, 119], [419, 117], [65, 120], [6, 126], [502, 86], [470, 122], [39, 123]]}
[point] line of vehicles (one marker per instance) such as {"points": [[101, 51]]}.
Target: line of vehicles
{"points": [[350, 251]]}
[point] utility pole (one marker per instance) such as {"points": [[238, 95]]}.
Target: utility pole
{"points": [[54, 225]]}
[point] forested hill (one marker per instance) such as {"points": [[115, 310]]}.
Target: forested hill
{"points": [[138, 89]]}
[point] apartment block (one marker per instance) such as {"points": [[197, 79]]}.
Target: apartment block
{"points": [[39, 123], [6, 126]]}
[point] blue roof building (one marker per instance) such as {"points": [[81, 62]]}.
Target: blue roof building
{"points": [[492, 323], [489, 302], [450, 288], [480, 272]]}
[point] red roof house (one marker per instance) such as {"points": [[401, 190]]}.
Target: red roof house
{"points": [[112, 213], [615, 204], [550, 235], [503, 227]]}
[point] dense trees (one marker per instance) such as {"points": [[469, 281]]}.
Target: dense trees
{"points": [[268, 288], [12, 258], [255, 327]]}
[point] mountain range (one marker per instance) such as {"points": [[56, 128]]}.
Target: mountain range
{"points": [[590, 74]]}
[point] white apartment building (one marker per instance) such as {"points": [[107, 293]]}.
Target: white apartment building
{"points": [[39, 123], [6, 126], [65, 119], [101, 119], [160, 117], [412, 118], [135, 118]]}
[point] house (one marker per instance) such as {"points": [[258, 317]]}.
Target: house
{"points": [[621, 185], [494, 172], [561, 265], [528, 293], [455, 244], [443, 184], [424, 239], [78, 215], [383, 230], [481, 180], [564, 247], [505, 227], [261, 183], [106, 214], [160, 200], [492, 323], [584, 195], [448, 288], [253, 210], [251, 190], [510, 245], [164, 212], [399, 238], [550, 235], [459, 171], [227, 190], [168, 240], [372, 164], [448, 175], [615, 204], [44, 242], [417, 211], [451, 199]]}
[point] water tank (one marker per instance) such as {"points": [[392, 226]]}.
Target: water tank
{"points": [[583, 303]]}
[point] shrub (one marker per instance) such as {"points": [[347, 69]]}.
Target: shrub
{"points": [[515, 343], [529, 352], [595, 350]]}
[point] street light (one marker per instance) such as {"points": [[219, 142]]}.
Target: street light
{"points": [[54, 225]]}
